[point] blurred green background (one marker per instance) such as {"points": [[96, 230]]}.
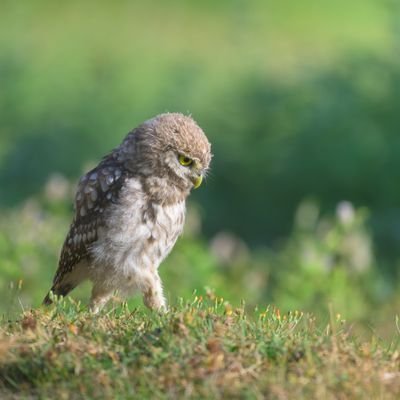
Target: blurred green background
{"points": [[299, 99]]}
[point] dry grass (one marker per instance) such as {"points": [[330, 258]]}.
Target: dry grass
{"points": [[202, 349]]}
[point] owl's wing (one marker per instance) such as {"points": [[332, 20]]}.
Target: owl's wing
{"points": [[96, 190]]}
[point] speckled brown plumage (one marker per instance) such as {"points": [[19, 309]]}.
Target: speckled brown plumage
{"points": [[129, 211]]}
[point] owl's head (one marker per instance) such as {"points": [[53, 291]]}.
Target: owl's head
{"points": [[172, 146]]}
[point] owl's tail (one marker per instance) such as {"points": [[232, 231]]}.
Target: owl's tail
{"points": [[47, 301], [57, 290]]}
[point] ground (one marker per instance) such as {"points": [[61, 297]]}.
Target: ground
{"points": [[200, 349]]}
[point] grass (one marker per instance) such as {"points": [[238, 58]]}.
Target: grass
{"points": [[203, 348]]}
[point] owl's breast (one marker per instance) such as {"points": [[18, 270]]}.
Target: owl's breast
{"points": [[167, 226], [139, 233]]}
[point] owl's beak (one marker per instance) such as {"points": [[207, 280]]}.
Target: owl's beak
{"points": [[197, 179]]}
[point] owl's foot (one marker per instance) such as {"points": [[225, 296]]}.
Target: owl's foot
{"points": [[154, 301], [98, 300], [151, 287]]}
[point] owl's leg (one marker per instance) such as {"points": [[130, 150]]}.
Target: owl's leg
{"points": [[151, 287], [99, 298]]}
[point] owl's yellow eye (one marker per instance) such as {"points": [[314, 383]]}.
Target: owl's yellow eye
{"points": [[185, 161]]}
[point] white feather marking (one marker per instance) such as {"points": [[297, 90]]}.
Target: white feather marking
{"points": [[135, 239]]}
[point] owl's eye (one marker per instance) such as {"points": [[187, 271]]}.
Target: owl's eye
{"points": [[185, 161]]}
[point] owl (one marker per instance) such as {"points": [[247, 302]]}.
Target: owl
{"points": [[130, 210]]}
